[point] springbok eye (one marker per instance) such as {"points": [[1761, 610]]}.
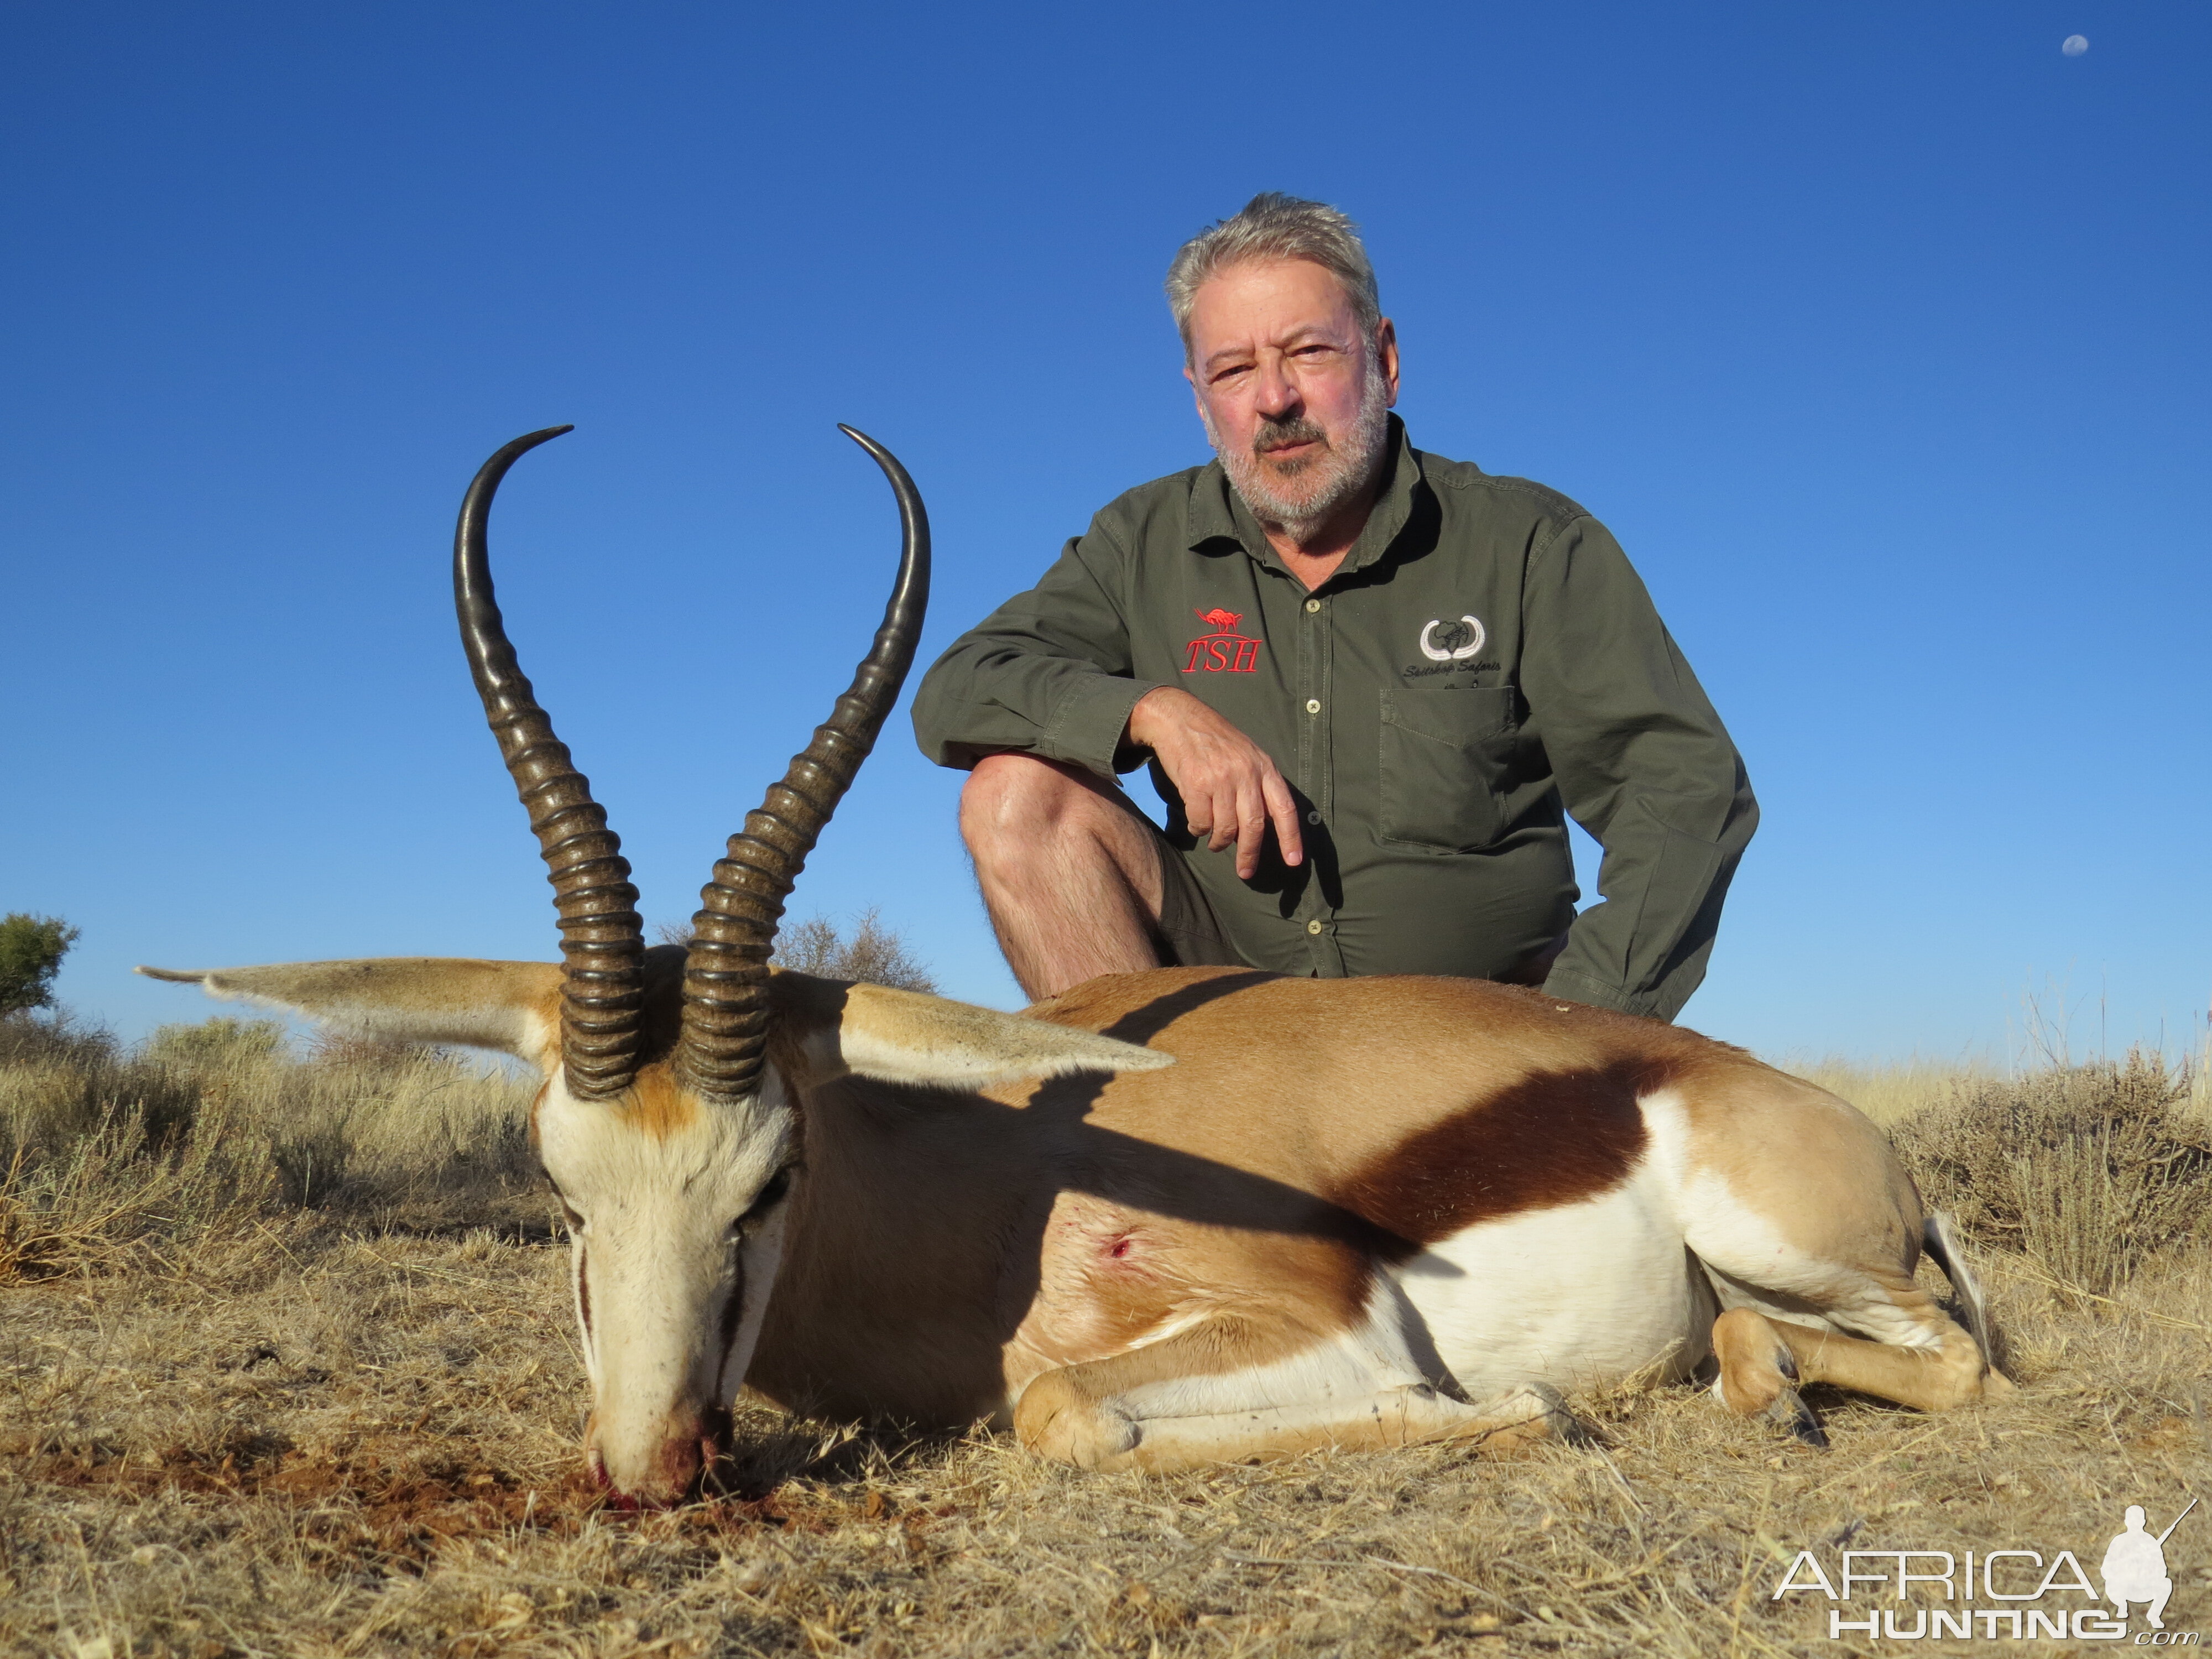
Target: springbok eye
{"points": [[773, 1194], [769, 1197]]}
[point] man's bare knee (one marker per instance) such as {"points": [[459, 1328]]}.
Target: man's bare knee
{"points": [[1070, 875], [1013, 800]]}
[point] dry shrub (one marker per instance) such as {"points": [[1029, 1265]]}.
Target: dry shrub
{"points": [[62, 1081], [97, 1156], [215, 1046], [875, 954], [2089, 1170]]}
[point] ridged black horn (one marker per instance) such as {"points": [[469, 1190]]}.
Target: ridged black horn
{"points": [[602, 938], [725, 974]]}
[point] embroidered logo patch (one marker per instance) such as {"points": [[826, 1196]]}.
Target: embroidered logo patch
{"points": [[1224, 651], [1452, 641]]}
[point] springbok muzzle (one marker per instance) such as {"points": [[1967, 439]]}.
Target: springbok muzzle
{"points": [[675, 1462]]}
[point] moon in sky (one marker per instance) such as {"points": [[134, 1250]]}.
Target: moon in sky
{"points": [[2075, 45]]}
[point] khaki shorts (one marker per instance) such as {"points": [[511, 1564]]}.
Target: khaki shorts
{"points": [[1190, 934]]}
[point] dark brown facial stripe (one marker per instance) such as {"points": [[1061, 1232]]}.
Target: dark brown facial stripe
{"points": [[1553, 1137], [583, 1291], [732, 1313]]}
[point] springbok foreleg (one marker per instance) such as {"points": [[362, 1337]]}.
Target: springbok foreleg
{"points": [[1173, 1404]]}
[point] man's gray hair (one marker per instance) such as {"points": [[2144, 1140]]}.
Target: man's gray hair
{"points": [[1273, 226]]}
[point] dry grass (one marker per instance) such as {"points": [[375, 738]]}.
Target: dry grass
{"points": [[288, 1418], [1889, 1092], [110, 1158]]}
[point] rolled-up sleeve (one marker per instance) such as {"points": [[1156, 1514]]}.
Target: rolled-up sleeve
{"points": [[1643, 763], [1047, 673]]}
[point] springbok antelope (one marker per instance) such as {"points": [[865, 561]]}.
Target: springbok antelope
{"points": [[1163, 1220]]}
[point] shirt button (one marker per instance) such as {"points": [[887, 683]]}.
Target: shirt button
{"points": [[1313, 604], [1313, 817], [1313, 705], [1313, 927]]}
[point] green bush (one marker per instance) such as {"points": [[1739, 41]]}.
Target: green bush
{"points": [[31, 952]]}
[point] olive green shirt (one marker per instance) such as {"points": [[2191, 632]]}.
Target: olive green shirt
{"points": [[1483, 661]]}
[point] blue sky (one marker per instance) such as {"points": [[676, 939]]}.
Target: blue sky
{"points": [[1878, 334]]}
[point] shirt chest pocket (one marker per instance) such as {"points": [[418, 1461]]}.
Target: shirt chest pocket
{"points": [[1443, 763]]}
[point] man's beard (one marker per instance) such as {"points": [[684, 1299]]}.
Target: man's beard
{"points": [[1301, 497]]}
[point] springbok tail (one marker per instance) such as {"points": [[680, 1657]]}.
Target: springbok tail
{"points": [[1941, 1243]]}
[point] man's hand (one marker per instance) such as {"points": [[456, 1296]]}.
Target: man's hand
{"points": [[1230, 790]]}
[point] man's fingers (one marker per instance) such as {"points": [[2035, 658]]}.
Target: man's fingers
{"points": [[1221, 816], [1251, 827], [1231, 790], [1283, 808]]}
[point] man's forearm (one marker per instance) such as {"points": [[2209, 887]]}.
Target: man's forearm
{"points": [[1643, 947], [1643, 763], [1047, 673]]}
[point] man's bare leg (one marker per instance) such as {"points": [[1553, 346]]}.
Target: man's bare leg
{"points": [[1071, 880]]}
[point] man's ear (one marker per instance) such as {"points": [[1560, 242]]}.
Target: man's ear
{"points": [[512, 1007], [831, 1030]]}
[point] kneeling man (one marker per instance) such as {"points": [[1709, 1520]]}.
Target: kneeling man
{"points": [[1370, 682]]}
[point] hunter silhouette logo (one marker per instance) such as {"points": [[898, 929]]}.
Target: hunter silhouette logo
{"points": [[1224, 651], [2135, 1565]]}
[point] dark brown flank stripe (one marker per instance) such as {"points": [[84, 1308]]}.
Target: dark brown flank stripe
{"points": [[1553, 1137]]}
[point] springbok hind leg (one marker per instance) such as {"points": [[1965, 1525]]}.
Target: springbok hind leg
{"points": [[1172, 1404], [1932, 1363]]}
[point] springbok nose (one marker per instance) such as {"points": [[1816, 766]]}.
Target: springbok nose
{"points": [[659, 1467], [676, 1468]]}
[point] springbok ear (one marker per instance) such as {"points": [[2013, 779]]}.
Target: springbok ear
{"points": [[512, 1007], [904, 1036]]}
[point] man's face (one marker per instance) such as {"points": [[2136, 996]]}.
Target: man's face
{"points": [[1293, 395]]}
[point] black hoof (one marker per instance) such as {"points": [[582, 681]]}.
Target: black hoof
{"points": [[1790, 1411]]}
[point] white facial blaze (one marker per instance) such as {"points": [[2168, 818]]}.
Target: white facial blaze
{"points": [[670, 1289]]}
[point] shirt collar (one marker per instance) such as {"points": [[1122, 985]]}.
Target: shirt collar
{"points": [[1217, 513]]}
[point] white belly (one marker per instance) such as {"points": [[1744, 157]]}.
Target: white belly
{"points": [[1582, 1294]]}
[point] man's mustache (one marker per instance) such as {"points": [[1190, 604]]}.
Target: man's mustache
{"points": [[1281, 434]]}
